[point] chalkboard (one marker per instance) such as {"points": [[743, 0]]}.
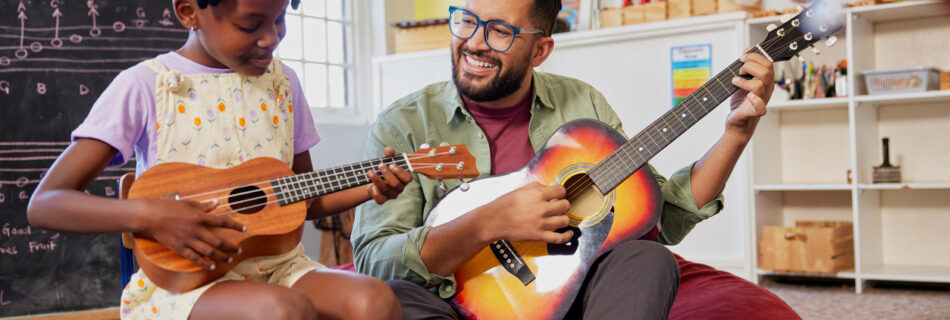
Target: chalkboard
{"points": [[56, 57]]}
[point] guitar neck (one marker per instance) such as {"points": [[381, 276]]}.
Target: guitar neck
{"points": [[635, 153], [298, 187]]}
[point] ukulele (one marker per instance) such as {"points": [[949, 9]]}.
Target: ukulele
{"points": [[614, 197], [265, 195]]}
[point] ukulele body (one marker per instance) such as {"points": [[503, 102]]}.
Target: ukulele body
{"points": [[489, 290], [272, 229]]}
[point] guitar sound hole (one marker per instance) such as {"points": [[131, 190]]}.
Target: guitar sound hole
{"points": [[247, 200]]}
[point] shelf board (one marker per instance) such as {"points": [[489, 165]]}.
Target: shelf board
{"points": [[905, 185], [902, 11], [914, 97], [907, 273], [801, 187], [841, 102], [846, 274]]}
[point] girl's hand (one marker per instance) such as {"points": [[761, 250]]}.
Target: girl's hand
{"points": [[388, 186], [185, 228]]}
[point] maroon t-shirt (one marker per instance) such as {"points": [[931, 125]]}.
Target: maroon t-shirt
{"points": [[507, 132]]}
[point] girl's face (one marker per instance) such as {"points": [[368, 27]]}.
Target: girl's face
{"points": [[241, 34]]}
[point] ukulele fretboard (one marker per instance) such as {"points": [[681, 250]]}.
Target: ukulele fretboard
{"points": [[304, 186]]}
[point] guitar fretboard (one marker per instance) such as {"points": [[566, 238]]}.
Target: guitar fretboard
{"points": [[304, 186], [633, 154]]}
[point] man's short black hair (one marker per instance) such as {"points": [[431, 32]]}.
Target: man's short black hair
{"points": [[544, 15], [204, 3]]}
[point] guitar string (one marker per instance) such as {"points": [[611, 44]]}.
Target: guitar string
{"points": [[580, 186], [283, 193], [334, 175]]}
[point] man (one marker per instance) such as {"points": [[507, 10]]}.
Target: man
{"points": [[497, 102]]}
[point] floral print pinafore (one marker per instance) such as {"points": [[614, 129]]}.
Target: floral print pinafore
{"points": [[219, 121]]}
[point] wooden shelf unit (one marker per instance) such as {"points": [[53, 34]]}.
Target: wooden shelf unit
{"points": [[812, 159]]}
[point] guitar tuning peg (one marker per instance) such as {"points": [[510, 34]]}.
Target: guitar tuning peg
{"points": [[771, 27], [443, 143], [442, 186], [815, 51], [800, 59], [831, 41], [786, 17], [463, 185], [424, 146]]}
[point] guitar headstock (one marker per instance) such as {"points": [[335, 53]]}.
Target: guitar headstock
{"points": [[444, 162], [820, 20]]}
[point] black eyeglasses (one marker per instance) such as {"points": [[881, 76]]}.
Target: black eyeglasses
{"points": [[499, 35]]}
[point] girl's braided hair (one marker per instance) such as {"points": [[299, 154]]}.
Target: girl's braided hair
{"points": [[204, 3]]}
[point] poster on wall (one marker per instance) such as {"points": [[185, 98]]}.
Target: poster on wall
{"points": [[690, 68]]}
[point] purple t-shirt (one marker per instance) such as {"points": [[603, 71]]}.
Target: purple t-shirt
{"points": [[120, 115]]}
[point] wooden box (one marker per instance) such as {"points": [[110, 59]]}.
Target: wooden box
{"points": [[723, 6], [611, 18], [823, 247], [679, 9], [945, 80], [419, 36], [701, 7], [633, 15], [654, 11]]}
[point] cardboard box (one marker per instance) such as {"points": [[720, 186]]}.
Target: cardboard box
{"points": [[701, 7], [419, 36], [633, 15], [945, 80], [822, 247], [679, 9], [611, 18]]}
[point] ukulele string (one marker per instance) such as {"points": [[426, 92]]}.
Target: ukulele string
{"points": [[334, 175], [282, 193]]}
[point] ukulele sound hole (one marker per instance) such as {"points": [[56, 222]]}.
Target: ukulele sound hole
{"points": [[247, 200]]}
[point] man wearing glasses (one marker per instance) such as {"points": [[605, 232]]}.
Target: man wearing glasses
{"points": [[504, 111]]}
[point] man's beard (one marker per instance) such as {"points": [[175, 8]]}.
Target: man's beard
{"points": [[502, 85]]}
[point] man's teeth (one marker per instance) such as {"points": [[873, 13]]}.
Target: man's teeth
{"points": [[478, 63]]}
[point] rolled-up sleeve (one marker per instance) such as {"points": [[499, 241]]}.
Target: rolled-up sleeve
{"points": [[680, 213], [387, 238]]}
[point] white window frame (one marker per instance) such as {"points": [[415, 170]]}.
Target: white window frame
{"points": [[357, 69]]}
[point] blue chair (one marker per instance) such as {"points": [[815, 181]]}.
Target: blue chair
{"points": [[127, 258]]}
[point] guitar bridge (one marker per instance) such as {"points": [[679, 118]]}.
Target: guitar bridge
{"points": [[511, 261]]}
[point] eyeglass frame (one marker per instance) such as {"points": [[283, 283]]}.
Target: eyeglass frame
{"points": [[484, 26]]}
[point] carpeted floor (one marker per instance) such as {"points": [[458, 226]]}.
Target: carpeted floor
{"points": [[824, 299]]}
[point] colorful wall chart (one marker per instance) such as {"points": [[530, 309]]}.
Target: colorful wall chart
{"points": [[690, 68]]}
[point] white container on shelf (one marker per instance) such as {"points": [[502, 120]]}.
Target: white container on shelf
{"points": [[916, 79]]}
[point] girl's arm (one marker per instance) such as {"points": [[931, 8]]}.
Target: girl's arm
{"points": [[383, 188], [60, 203]]}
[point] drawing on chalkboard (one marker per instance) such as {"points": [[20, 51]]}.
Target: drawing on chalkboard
{"points": [[56, 57]]}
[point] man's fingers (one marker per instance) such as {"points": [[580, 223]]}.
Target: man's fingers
{"points": [[557, 238], [557, 222], [553, 192]]}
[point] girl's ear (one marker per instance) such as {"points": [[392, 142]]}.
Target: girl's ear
{"points": [[186, 11]]}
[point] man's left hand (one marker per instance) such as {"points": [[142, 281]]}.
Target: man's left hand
{"points": [[748, 104]]}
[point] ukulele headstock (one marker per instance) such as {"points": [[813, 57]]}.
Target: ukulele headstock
{"points": [[443, 162]]}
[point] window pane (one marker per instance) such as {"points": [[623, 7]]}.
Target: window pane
{"points": [[290, 47], [335, 9], [315, 8], [316, 85], [337, 87], [316, 45], [336, 42]]}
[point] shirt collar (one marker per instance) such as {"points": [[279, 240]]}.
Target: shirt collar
{"points": [[452, 101]]}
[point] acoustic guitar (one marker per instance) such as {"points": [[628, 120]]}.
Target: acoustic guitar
{"points": [[265, 195], [614, 197]]}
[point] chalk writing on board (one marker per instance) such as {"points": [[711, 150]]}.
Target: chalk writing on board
{"points": [[56, 58]]}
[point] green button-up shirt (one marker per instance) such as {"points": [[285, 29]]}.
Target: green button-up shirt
{"points": [[387, 238]]}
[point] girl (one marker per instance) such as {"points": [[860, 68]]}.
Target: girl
{"points": [[217, 101]]}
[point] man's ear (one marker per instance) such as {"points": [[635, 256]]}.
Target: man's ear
{"points": [[186, 11], [542, 49]]}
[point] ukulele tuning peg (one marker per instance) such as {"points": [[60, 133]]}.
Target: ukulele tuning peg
{"points": [[443, 187], [831, 41], [443, 143], [815, 51], [463, 185], [424, 146], [771, 27]]}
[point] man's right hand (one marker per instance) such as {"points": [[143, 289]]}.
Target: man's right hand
{"points": [[184, 227], [528, 213]]}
